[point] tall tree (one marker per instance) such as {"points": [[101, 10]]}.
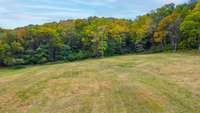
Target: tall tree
{"points": [[168, 28], [191, 28]]}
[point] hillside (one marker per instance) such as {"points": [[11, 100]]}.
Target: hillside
{"points": [[170, 27], [154, 83]]}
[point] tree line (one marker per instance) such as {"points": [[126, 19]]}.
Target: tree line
{"points": [[167, 28]]}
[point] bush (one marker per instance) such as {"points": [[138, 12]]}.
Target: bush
{"points": [[78, 55]]}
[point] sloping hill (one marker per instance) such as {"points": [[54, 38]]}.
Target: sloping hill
{"points": [[156, 83]]}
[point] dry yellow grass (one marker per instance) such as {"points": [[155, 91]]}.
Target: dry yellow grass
{"points": [[155, 83]]}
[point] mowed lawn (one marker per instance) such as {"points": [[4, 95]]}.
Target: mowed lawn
{"points": [[152, 83]]}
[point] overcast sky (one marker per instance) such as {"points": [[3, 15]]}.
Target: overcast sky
{"points": [[17, 13]]}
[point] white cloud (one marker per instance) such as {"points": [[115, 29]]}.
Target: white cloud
{"points": [[3, 10], [94, 2], [15, 13], [171, 1]]}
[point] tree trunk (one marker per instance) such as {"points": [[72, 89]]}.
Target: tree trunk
{"points": [[175, 47], [162, 44], [199, 48], [176, 43], [54, 54], [199, 43]]}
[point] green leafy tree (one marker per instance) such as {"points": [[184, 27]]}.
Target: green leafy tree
{"points": [[40, 55], [141, 29], [191, 28]]}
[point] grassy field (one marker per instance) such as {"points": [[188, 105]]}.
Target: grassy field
{"points": [[154, 83]]}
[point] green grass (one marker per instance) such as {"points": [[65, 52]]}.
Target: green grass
{"points": [[151, 83]]}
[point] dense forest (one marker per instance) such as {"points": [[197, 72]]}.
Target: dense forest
{"points": [[170, 27]]}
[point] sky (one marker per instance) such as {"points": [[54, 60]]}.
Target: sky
{"points": [[18, 13]]}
